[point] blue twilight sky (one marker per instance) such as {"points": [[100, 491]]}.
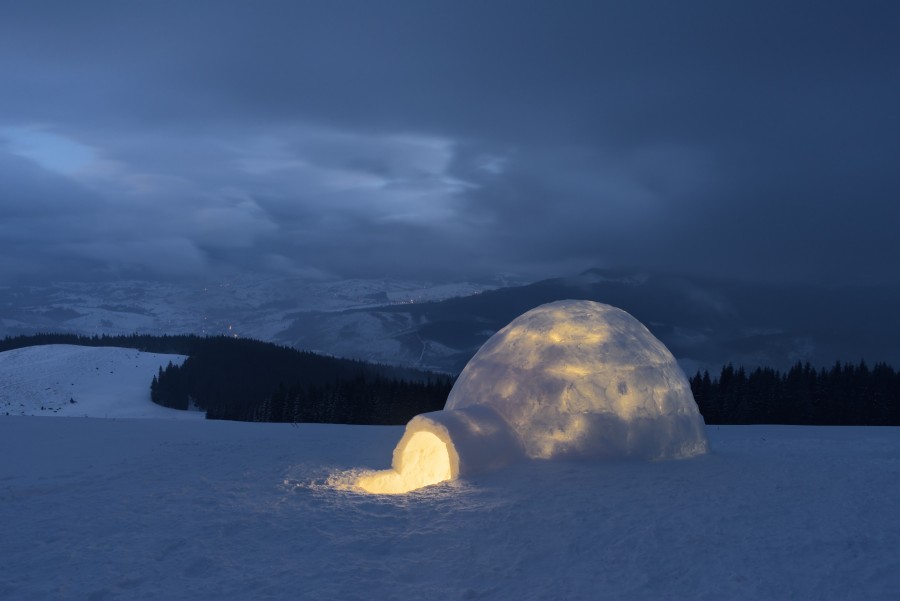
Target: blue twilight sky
{"points": [[449, 139]]}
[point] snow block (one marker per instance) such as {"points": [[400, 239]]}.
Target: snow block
{"points": [[570, 379]]}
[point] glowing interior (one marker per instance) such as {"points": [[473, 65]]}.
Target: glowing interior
{"points": [[423, 461]]}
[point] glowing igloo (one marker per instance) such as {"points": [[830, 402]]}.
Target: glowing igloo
{"points": [[570, 379]]}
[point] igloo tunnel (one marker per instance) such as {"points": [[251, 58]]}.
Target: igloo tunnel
{"points": [[569, 379]]}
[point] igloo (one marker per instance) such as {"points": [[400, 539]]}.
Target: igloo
{"points": [[569, 379]]}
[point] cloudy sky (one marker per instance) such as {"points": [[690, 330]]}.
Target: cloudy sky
{"points": [[449, 140]]}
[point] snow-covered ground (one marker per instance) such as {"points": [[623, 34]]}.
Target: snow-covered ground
{"points": [[132, 509], [163, 509], [66, 380]]}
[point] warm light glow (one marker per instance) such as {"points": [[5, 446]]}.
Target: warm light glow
{"points": [[571, 370], [423, 461], [582, 379]]}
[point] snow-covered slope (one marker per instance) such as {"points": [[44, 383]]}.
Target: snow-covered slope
{"points": [[161, 509], [67, 380]]}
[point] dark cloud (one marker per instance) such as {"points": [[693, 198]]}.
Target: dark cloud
{"points": [[449, 139]]}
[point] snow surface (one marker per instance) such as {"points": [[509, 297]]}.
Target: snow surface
{"points": [[147, 509], [102, 382], [166, 509]]}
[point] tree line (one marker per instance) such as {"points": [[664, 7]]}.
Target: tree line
{"points": [[179, 344], [845, 394], [250, 380]]}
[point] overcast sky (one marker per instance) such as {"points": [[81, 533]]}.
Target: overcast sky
{"points": [[449, 140]]}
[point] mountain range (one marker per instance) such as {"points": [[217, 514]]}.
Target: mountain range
{"points": [[705, 322]]}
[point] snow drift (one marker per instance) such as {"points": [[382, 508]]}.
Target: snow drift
{"points": [[570, 379]]}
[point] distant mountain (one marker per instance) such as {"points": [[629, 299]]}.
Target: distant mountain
{"points": [[705, 322], [249, 306]]}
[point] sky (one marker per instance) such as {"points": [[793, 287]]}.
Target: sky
{"points": [[449, 140]]}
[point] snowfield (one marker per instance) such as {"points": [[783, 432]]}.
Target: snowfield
{"points": [[141, 509], [166, 509]]}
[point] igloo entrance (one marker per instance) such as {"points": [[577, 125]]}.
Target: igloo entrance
{"points": [[420, 460]]}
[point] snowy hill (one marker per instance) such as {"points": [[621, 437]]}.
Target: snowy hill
{"points": [[161, 509], [102, 382]]}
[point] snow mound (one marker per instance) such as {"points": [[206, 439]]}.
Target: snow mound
{"points": [[570, 379]]}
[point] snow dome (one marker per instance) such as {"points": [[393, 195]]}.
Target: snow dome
{"points": [[570, 379]]}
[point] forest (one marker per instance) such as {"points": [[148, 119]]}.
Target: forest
{"points": [[844, 395], [252, 381], [249, 380]]}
